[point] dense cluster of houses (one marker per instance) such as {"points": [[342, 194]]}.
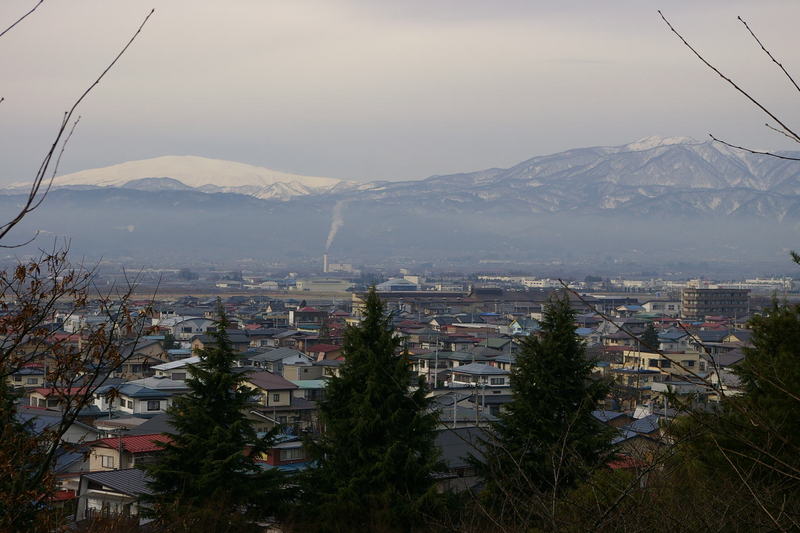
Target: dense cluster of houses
{"points": [[463, 345]]}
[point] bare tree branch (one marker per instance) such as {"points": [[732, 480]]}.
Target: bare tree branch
{"points": [[733, 84], [778, 130], [654, 349], [768, 53], [34, 198], [746, 484], [759, 152], [23, 17]]}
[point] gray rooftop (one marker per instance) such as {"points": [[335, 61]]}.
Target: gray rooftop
{"points": [[130, 481]]}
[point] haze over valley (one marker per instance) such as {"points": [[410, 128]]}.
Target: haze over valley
{"points": [[638, 205]]}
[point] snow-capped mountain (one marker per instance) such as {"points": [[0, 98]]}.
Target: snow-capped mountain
{"points": [[201, 173], [654, 175], [650, 201], [666, 176]]}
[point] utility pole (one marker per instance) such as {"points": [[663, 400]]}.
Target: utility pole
{"points": [[455, 402], [477, 405], [120, 448], [436, 365]]}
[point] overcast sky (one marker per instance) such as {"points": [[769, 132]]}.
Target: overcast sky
{"points": [[383, 89]]}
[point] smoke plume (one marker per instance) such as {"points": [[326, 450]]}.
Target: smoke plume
{"points": [[336, 222]]}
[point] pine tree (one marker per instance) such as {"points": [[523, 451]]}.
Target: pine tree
{"points": [[750, 443], [649, 338], [24, 482], [545, 439], [207, 479], [377, 452]]}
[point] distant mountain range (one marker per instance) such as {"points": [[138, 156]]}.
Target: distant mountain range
{"points": [[652, 176], [653, 200], [198, 173]]}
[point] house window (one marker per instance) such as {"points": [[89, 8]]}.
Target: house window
{"points": [[702, 366], [276, 397], [689, 364], [17, 378], [665, 363], [186, 330], [178, 376], [31, 381], [291, 454], [652, 362], [153, 405], [107, 461], [496, 381]]}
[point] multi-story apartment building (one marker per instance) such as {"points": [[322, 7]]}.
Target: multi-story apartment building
{"points": [[699, 303]]}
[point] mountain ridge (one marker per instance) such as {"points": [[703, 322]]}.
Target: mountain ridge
{"points": [[674, 176], [201, 173]]}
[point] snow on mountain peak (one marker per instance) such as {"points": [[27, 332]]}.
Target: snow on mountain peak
{"points": [[655, 141], [193, 171], [201, 173]]}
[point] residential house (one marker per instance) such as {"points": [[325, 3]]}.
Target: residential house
{"points": [[436, 362], [669, 363], [739, 337], [479, 375], [669, 308], [614, 419], [175, 370], [307, 316], [523, 327], [310, 389], [55, 397], [293, 339], [272, 389], [238, 339], [301, 370], [277, 404], [273, 360], [30, 376], [183, 328], [139, 357], [318, 352], [114, 453], [456, 446], [132, 399], [329, 368], [111, 493], [638, 381], [459, 408], [40, 419], [288, 453]]}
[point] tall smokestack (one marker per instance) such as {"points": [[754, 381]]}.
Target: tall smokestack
{"points": [[325, 263]]}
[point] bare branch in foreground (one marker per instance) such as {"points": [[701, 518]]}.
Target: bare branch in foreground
{"points": [[35, 195], [23, 17], [733, 84], [757, 152], [791, 79]]}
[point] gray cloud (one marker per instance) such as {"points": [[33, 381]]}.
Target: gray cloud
{"points": [[367, 89]]}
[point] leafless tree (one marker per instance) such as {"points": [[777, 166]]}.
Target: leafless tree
{"points": [[780, 125], [77, 365]]}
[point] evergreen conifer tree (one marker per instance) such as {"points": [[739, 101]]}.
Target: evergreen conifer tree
{"points": [[377, 452], [23, 484], [206, 478], [649, 338], [545, 439], [751, 442]]}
